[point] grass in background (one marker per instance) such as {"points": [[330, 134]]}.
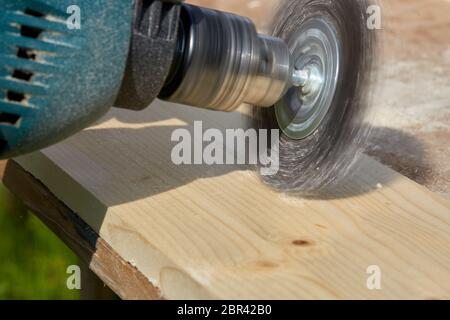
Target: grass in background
{"points": [[33, 261]]}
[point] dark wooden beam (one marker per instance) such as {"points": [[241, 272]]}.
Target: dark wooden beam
{"points": [[124, 279]]}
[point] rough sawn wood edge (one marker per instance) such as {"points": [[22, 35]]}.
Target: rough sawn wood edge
{"points": [[119, 275]]}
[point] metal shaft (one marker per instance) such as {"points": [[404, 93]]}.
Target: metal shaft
{"points": [[223, 62]]}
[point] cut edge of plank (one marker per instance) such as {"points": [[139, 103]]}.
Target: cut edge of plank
{"points": [[43, 169]]}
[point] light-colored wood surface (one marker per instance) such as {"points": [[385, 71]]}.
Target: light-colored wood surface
{"points": [[217, 232]]}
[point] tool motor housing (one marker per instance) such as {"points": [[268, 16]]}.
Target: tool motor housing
{"points": [[54, 80]]}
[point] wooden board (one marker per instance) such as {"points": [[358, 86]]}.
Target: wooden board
{"points": [[216, 232]]}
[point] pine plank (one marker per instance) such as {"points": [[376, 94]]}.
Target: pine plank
{"points": [[217, 232]]}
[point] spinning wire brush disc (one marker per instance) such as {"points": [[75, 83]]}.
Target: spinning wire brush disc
{"points": [[321, 121]]}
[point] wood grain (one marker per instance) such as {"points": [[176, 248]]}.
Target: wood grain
{"points": [[198, 231]]}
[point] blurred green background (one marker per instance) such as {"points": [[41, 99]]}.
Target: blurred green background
{"points": [[33, 261]]}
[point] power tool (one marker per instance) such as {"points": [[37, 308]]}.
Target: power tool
{"points": [[56, 79]]}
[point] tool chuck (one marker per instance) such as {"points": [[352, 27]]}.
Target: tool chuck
{"points": [[221, 62]]}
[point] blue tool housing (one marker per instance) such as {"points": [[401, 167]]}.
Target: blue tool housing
{"points": [[55, 78]]}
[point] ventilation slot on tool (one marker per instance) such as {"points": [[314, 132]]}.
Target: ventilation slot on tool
{"points": [[8, 118], [22, 75], [19, 74], [15, 96], [31, 32]]}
